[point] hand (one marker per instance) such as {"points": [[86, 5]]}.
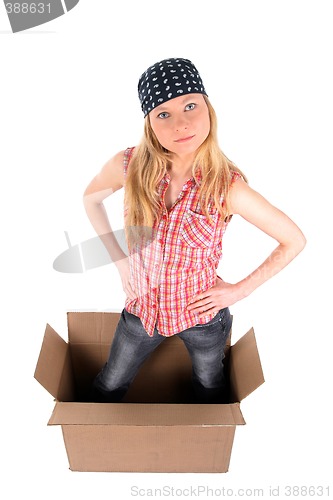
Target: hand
{"points": [[124, 271], [217, 297]]}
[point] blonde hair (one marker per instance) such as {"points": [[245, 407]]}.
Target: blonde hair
{"points": [[149, 165]]}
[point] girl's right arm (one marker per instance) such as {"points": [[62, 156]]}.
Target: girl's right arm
{"points": [[106, 182]]}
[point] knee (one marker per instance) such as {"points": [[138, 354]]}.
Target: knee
{"points": [[109, 379], [208, 377]]}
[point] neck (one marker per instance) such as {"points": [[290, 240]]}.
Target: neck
{"points": [[181, 167]]}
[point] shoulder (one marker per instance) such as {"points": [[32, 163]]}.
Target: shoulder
{"points": [[234, 176], [120, 159], [117, 165], [112, 175], [250, 204], [114, 168], [242, 197]]}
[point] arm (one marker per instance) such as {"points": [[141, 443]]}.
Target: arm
{"points": [[105, 183], [258, 211]]}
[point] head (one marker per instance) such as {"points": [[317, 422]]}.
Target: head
{"points": [[173, 101]]}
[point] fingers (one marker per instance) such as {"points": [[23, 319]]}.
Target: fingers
{"points": [[206, 310], [201, 305], [206, 313], [129, 291], [205, 303]]}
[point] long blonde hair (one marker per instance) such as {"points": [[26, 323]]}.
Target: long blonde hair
{"points": [[149, 164]]}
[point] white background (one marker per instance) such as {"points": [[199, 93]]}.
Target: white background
{"points": [[68, 103]]}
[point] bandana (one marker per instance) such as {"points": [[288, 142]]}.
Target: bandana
{"points": [[166, 80]]}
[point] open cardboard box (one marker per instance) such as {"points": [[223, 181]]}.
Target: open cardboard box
{"points": [[156, 428]]}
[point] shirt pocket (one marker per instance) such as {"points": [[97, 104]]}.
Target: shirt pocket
{"points": [[198, 231]]}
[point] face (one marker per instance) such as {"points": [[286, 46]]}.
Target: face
{"points": [[182, 124]]}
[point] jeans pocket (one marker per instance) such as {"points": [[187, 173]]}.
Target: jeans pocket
{"points": [[225, 320], [131, 326]]}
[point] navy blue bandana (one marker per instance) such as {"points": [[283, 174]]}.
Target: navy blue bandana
{"points": [[166, 80]]}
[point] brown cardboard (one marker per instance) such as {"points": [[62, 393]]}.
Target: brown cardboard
{"points": [[157, 428], [54, 368], [245, 370]]}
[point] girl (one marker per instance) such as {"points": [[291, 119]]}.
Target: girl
{"points": [[180, 193]]}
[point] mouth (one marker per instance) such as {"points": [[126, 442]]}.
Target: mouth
{"points": [[184, 139]]}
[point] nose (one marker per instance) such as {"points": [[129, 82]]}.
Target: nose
{"points": [[181, 122]]}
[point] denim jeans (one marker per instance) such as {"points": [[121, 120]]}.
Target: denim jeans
{"points": [[132, 345]]}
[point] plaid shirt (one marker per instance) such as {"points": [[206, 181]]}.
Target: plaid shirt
{"points": [[175, 262]]}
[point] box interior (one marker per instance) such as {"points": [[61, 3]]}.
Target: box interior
{"points": [[67, 369]]}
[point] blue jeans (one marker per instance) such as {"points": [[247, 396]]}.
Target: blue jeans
{"points": [[132, 345]]}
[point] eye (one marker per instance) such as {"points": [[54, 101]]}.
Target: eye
{"points": [[189, 107], [163, 115]]}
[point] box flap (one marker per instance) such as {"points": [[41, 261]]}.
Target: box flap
{"points": [[246, 373], [53, 370], [140, 414], [91, 327]]}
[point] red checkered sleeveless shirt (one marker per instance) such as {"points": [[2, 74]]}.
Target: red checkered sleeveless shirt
{"points": [[179, 261]]}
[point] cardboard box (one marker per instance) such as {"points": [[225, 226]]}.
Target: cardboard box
{"points": [[157, 427]]}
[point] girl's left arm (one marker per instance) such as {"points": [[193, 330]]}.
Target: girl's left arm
{"points": [[258, 211], [254, 208]]}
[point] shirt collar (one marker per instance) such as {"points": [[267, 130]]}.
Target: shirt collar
{"points": [[188, 184]]}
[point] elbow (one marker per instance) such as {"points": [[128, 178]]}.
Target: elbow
{"points": [[294, 245], [302, 241], [88, 202], [299, 243], [85, 200]]}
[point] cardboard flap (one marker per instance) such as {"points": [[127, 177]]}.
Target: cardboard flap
{"points": [[91, 327], [246, 373], [53, 370], [138, 414]]}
